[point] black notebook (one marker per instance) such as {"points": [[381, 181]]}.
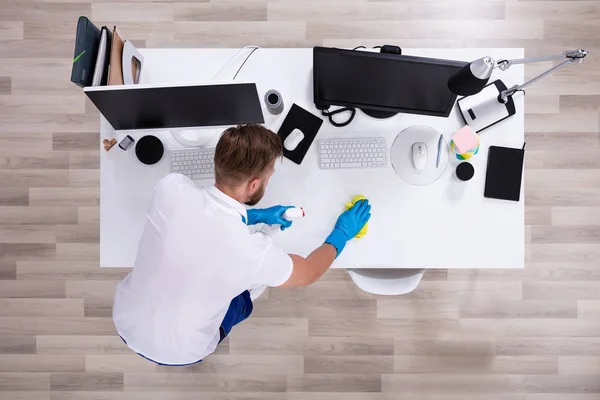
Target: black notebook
{"points": [[504, 173]]}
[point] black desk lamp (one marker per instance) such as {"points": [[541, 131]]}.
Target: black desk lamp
{"points": [[487, 104]]}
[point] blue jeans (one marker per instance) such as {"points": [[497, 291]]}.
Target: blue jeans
{"points": [[240, 309]]}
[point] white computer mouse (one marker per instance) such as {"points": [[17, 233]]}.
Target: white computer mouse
{"points": [[293, 140], [419, 156]]}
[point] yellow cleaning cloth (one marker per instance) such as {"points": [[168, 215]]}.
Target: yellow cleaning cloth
{"points": [[356, 198]]}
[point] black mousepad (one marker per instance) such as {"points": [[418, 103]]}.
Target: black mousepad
{"points": [[504, 173], [308, 123]]}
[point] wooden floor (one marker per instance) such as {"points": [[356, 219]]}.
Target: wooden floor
{"points": [[531, 334]]}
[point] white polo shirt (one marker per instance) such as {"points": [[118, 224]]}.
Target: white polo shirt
{"points": [[195, 255]]}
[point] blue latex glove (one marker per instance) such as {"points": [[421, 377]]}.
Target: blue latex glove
{"points": [[348, 224], [270, 216]]}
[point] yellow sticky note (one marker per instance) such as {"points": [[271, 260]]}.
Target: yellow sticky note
{"points": [[356, 198]]}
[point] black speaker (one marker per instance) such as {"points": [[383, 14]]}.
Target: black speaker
{"points": [[149, 150]]}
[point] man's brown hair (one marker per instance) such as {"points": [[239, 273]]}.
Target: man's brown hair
{"points": [[244, 152]]}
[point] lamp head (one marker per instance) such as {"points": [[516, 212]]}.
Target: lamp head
{"points": [[471, 78]]}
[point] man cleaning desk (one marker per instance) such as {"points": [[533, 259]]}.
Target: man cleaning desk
{"points": [[198, 262]]}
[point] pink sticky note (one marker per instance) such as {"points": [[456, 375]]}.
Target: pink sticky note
{"points": [[465, 139]]}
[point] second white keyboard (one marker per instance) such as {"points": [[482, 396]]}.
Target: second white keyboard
{"points": [[352, 153], [196, 163]]}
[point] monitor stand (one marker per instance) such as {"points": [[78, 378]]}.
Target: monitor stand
{"points": [[197, 137], [379, 114]]}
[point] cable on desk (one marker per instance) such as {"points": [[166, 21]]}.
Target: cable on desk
{"points": [[330, 114], [241, 66], [253, 47]]}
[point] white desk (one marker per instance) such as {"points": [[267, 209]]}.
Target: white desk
{"points": [[443, 225]]}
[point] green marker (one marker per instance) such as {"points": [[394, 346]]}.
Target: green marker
{"points": [[78, 57]]}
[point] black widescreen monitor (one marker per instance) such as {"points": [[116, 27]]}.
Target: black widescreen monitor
{"points": [[383, 82], [128, 107]]}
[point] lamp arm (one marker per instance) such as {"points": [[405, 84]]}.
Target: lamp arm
{"points": [[509, 92], [571, 55]]}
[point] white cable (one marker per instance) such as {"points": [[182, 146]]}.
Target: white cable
{"points": [[253, 47]]}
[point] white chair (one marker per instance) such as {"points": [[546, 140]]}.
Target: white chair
{"points": [[387, 281]]}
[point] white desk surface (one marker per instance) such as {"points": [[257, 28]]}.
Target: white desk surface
{"points": [[443, 225]]}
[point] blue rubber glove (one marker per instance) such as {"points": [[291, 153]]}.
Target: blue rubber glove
{"points": [[348, 224], [270, 216]]}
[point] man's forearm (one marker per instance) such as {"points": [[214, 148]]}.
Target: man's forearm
{"points": [[308, 270], [321, 259]]}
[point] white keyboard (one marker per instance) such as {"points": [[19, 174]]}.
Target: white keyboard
{"points": [[352, 153], [198, 163]]}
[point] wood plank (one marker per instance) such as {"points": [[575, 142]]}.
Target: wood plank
{"points": [[132, 12], [64, 196], [118, 363], [93, 381], [32, 289], [11, 30], [206, 382], [76, 344], [212, 11], [575, 216], [576, 252], [385, 11], [84, 159], [27, 251], [334, 383], [8, 269], [55, 29], [17, 344], [41, 363], [84, 178], [25, 11], [413, 29], [14, 196], [378, 327], [68, 270], [564, 290], [245, 364], [416, 364], [41, 141], [56, 326], [579, 365], [88, 215], [519, 309], [348, 364], [588, 308], [212, 32], [28, 307], [33, 160], [27, 234], [558, 346], [566, 234], [33, 177], [33, 381], [541, 271], [315, 308], [90, 289], [76, 141], [78, 252], [5, 85], [80, 233], [42, 104], [318, 345], [396, 308]]}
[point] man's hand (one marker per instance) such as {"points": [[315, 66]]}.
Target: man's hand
{"points": [[348, 224], [270, 216]]}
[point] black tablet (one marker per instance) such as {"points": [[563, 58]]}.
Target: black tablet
{"points": [[504, 173]]}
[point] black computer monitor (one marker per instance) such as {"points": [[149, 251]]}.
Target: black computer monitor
{"points": [[381, 82], [157, 106]]}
